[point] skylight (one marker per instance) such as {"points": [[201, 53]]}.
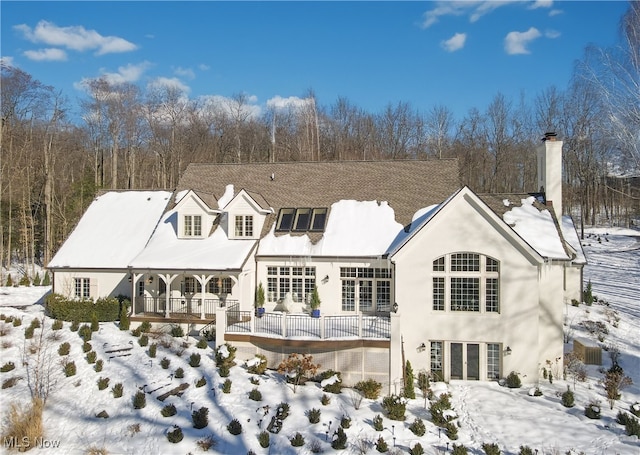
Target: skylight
{"points": [[301, 220]]}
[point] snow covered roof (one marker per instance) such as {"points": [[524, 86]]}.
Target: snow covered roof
{"points": [[115, 228], [571, 236], [166, 251]]}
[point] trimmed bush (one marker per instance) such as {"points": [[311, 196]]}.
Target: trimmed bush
{"points": [[153, 347], [168, 411], [75, 325], [17, 322], [255, 395], [139, 400], [378, 423], [164, 363], [409, 388], [491, 448], [395, 406], [91, 357], [459, 450], [175, 434], [125, 322], [339, 439], [525, 450], [86, 347], [46, 281], [57, 325], [417, 449], [335, 387], [179, 374], [234, 427], [313, 415], [201, 382], [451, 430], [69, 368], [143, 340], [226, 386], [513, 380], [105, 309], [85, 332], [7, 367], [568, 399], [345, 422], [369, 388], [176, 331], [98, 366], [95, 325], [28, 332], [592, 411], [417, 427], [325, 399], [224, 371], [117, 390], [200, 418], [297, 440], [145, 327], [225, 355], [194, 360], [381, 445], [202, 344], [264, 439], [257, 365], [103, 383]]}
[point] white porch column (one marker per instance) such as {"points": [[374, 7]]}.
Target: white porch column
{"points": [[134, 296], [168, 279], [395, 352], [203, 280], [221, 324]]}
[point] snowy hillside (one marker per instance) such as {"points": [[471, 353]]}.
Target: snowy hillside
{"points": [[484, 412]]}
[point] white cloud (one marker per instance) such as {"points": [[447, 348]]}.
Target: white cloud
{"points": [[516, 42], [49, 54], [474, 8], [7, 61], [541, 4], [278, 102], [129, 73], [172, 82], [552, 34], [203, 67], [184, 72], [555, 12], [74, 37], [454, 43]]}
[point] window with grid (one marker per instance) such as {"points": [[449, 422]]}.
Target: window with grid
{"points": [[437, 358], [140, 287], [244, 226], [82, 287], [300, 281], [493, 361], [368, 289], [190, 285], [192, 225], [466, 282], [220, 285]]}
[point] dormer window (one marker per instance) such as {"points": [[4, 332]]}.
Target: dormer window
{"points": [[301, 220], [244, 226], [193, 226]]}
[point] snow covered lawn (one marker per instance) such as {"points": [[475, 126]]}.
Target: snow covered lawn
{"points": [[487, 412]]}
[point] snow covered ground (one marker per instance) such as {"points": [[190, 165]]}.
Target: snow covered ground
{"points": [[487, 412]]}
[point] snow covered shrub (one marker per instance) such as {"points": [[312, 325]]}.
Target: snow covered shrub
{"points": [[613, 383], [57, 325], [568, 399], [255, 395], [635, 409], [525, 450], [206, 443], [416, 449], [143, 340], [381, 445], [202, 344], [200, 418], [145, 327], [257, 365], [9, 282], [345, 422], [339, 439], [417, 427], [451, 430], [85, 332], [179, 374], [297, 369], [176, 331], [234, 427], [225, 355], [7, 367], [153, 348], [592, 410], [297, 440], [91, 357], [313, 415], [459, 450], [86, 347], [264, 439], [95, 325], [201, 382], [16, 322], [224, 371], [409, 389], [125, 322], [330, 381], [164, 363], [438, 408], [632, 426], [369, 388], [168, 411], [117, 390], [535, 392], [513, 380], [175, 434], [377, 423], [28, 332], [139, 400], [226, 386], [491, 448], [395, 405], [254, 381], [69, 368], [103, 383], [325, 399], [194, 360], [75, 325], [98, 366]]}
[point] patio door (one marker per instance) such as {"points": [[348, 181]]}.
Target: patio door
{"points": [[465, 361]]}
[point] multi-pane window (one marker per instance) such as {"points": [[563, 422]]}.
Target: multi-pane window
{"points": [[437, 358], [190, 285], [141, 287], [300, 281], [466, 282], [493, 361], [244, 226], [192, 226], [301, 220], [220, 286], [367, 288], [82, 287]]}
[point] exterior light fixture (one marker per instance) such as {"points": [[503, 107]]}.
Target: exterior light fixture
{"points": [[394, 308], [507, 351], [421, 348]]}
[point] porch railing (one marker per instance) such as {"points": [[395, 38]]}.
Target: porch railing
{"points": [[187, 305], [304, 326]]}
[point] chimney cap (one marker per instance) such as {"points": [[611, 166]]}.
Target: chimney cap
{"points": [[550, 136]]}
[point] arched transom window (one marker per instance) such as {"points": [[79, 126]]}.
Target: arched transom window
{"points": [[466, 282]]}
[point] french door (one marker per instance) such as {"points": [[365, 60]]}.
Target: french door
{"points": [[465, 361]]}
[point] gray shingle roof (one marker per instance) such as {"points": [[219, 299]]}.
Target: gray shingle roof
{"points": [[406, 185]]}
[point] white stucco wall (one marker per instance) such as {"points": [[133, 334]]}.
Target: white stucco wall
{"points": [[102, 283]]}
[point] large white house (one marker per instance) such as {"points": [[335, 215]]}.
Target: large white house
{"points": [[407, 264]]}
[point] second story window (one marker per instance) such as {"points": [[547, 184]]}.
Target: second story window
{"points": [[193, 226], [244, 226]]}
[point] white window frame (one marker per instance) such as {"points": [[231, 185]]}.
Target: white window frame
{"points": [[192, 225], [243, 226], [366, 289], [82, 288], [298, 280]]}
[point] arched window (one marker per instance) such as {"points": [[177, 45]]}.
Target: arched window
{"points": [[466, 282]]}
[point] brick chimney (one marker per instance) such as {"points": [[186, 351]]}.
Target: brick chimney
{"points": [[550, 171]]}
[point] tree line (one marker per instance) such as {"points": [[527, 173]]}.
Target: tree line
{"points": [[52, 166]]}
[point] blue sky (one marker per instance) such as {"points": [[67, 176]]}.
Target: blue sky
{"points": [[456, 54]]}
